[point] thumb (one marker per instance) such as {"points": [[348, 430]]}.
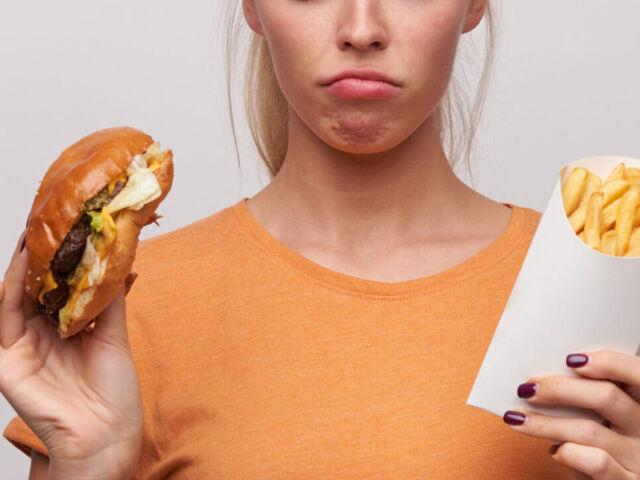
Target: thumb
{"points": [[110, 324]]}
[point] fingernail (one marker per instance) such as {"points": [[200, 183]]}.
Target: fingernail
{"points": [[24, 242], [577, 360], [554, 448], [527, 390], [512, 417]]}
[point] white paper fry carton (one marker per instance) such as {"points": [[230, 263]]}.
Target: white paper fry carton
{"points": [[568, 298]]}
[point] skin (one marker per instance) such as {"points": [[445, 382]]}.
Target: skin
{"points": [[370, 179], [372, 183], [80, 396], [39, 466]]}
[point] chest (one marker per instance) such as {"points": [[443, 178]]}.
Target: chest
{"points": [[342, 416], [333, 396]]}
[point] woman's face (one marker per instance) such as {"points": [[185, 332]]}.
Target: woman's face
{"points": [[412, 42]]}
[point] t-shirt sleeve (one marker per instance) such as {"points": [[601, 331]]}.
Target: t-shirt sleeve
{"points": [[22, 437]]}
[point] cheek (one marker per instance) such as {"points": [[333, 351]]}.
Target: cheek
{"points": [[295, 54], [291, 69], [431, 51]]}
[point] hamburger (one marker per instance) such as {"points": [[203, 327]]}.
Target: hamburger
{"points": [[84, 223]]}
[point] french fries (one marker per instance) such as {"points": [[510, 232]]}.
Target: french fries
{"points": [[579, 215], [608, 242], [605, 215], [616, 174], [624, 219], [634, 244], [592, 223], [574, 188]]}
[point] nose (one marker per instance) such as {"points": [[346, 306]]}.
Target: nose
{"points": [[361, 25]]}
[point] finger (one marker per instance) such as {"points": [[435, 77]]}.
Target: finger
{"points": [[576, 430], [11, 314], [595, 462], [128, 282], [607, 364], [632, 390], [29, 307], [111, 325], [603, 396]]}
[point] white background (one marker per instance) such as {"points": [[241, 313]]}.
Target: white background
{"points": [[566, 86]]}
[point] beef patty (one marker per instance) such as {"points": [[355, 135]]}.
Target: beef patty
{"points": [[64, 262], [70, 253]]}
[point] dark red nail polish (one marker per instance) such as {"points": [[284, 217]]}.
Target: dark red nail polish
{"points": [[575, 360], [554, 448], [24, 242], [512, 417], [527, 390]]}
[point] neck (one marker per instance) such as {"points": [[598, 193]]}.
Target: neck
{"points": [[407, 190]]}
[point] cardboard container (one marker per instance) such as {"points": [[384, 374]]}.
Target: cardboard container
{"points": [[568, 298]]}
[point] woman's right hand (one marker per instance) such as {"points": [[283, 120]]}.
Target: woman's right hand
{"points": [[80, 396]]}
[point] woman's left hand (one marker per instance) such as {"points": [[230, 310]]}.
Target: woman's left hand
{"points": [[600, 451]]}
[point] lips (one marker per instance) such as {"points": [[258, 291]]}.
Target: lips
{"points": [[364, 73], [361, 83], [362, 89]]}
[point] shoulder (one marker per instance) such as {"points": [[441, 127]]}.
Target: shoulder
{"points": [[183, 275], [522, 228], [189, 241], [209, 240], [529, 218], [197, 255]]}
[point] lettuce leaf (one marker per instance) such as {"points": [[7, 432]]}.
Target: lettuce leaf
{"points": [[142, 187], [97, 221]]}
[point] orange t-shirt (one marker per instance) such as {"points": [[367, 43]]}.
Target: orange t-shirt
{"points": [[256, 362]]}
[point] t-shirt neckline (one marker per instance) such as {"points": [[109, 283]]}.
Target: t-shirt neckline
{"points": [[467, 269]]}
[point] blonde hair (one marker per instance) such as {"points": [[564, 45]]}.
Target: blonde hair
{"points": [[267, 111]]}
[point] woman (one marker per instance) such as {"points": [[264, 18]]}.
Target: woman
{"points": [[330, 326]]}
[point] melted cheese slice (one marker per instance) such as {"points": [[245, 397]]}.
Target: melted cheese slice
{"points": [[48, 285], [108, 233], [71, 303], [120, 178]]}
